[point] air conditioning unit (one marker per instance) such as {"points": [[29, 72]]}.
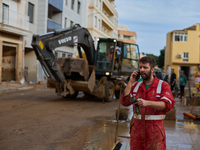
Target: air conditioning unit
{"points": [[179, 56]]}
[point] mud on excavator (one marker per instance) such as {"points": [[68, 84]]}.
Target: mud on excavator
{"points": [[99, 73]]}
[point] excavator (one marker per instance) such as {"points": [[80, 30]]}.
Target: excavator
{"points": [[94, 72]]}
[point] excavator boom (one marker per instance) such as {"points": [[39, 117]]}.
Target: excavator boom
{"points": [[45, 44]]}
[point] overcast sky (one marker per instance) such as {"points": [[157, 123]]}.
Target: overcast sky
{"points": [[153, 19]]}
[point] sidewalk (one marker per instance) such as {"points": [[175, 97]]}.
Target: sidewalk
{"points": [[184, 133], [13, 86]]}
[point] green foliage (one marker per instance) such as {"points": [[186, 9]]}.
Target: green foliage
{"points": [[161, 58], [154, 57], [158, 59]]}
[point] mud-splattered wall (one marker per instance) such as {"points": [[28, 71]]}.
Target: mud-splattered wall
{"points": [[11, 57], [30, 65], [8, 63]]}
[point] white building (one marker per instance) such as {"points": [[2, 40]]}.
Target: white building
{"points": [[45, 16], [13, 26], [102, 19]]}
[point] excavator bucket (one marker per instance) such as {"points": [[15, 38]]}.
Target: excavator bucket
{"points": [[85, 86], [74, 68], [78, 74]]}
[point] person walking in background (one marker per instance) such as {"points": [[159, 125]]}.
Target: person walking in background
{"points": [[172, 80], [182, 83]]}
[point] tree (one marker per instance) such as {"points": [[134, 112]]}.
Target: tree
{"points": [[154, 57], [161, 58]]}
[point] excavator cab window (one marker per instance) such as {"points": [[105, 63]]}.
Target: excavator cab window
{"points": [[130, 57], [105, 54]]}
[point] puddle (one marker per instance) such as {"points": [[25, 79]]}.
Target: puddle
{"points": [[101, 135]]}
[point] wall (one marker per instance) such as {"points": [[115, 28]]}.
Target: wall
{"points": [[33, 26], [42, 17], [9, 63], [15, 41], [30, 65], [72, 15], [191, 47]]}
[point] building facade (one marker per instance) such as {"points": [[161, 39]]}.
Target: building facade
{"points": [[126, 35], [20, 19], [183, 51], [102, 19], [46, 16], [13, 26]]}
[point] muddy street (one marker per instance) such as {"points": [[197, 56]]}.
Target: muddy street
{"points": [[38, 119]]}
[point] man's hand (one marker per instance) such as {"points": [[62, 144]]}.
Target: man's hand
{"points": [[159, 105], [141, 102], [131, 81], [133, 76]]}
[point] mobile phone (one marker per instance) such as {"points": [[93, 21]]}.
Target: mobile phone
{"points": [[138, 75]]}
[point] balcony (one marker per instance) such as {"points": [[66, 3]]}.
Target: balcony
{"points": [[13, 22], [57, 4], [110, 7], [53, 25]]}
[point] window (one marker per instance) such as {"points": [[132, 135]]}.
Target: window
{"points": [[66, 2], [5, 13], [71, 23], [185, 56], [30, 12], [65, 22], [95, 21], [100, 4], [127, 37], [97, 3], [72, 5], [63, 54], [99, 24], [180, 36], [79, 7]]}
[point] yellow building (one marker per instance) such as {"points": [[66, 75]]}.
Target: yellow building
{"points": [[183, 51]]}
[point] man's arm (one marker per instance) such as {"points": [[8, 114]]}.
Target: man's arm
{"points": [[166, 102], [127, 90], [132, 80], [125, 97], [159, 105]]}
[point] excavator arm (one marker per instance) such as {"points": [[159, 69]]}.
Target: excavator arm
{"points": [[45, 44]]}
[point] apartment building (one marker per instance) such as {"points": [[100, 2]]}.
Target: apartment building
{"points": [[46, 16], [129, 37], [13, 26], [102, 19], [126, 35], [183, 51]]}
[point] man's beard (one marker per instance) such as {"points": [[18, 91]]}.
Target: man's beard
{"points": [[147, 75]]}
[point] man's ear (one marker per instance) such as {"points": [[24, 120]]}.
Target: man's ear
{"points": [[152, 70]]}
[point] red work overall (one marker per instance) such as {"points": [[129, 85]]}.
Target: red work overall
{"points": [[147, 130]]}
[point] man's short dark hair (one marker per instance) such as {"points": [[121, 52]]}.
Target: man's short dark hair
{"points": [[148, 59]]}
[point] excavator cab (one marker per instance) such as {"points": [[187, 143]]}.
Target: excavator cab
{"points": [[114, 57]]}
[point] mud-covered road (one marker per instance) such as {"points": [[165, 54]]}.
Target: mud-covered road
{"points": [[38, 119]]}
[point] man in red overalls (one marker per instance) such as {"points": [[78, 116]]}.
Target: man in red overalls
{"points": [[154, 98]]}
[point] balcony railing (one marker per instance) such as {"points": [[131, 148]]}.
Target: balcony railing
{"points": [[57, 4], [14, 19], [53, 25]]}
